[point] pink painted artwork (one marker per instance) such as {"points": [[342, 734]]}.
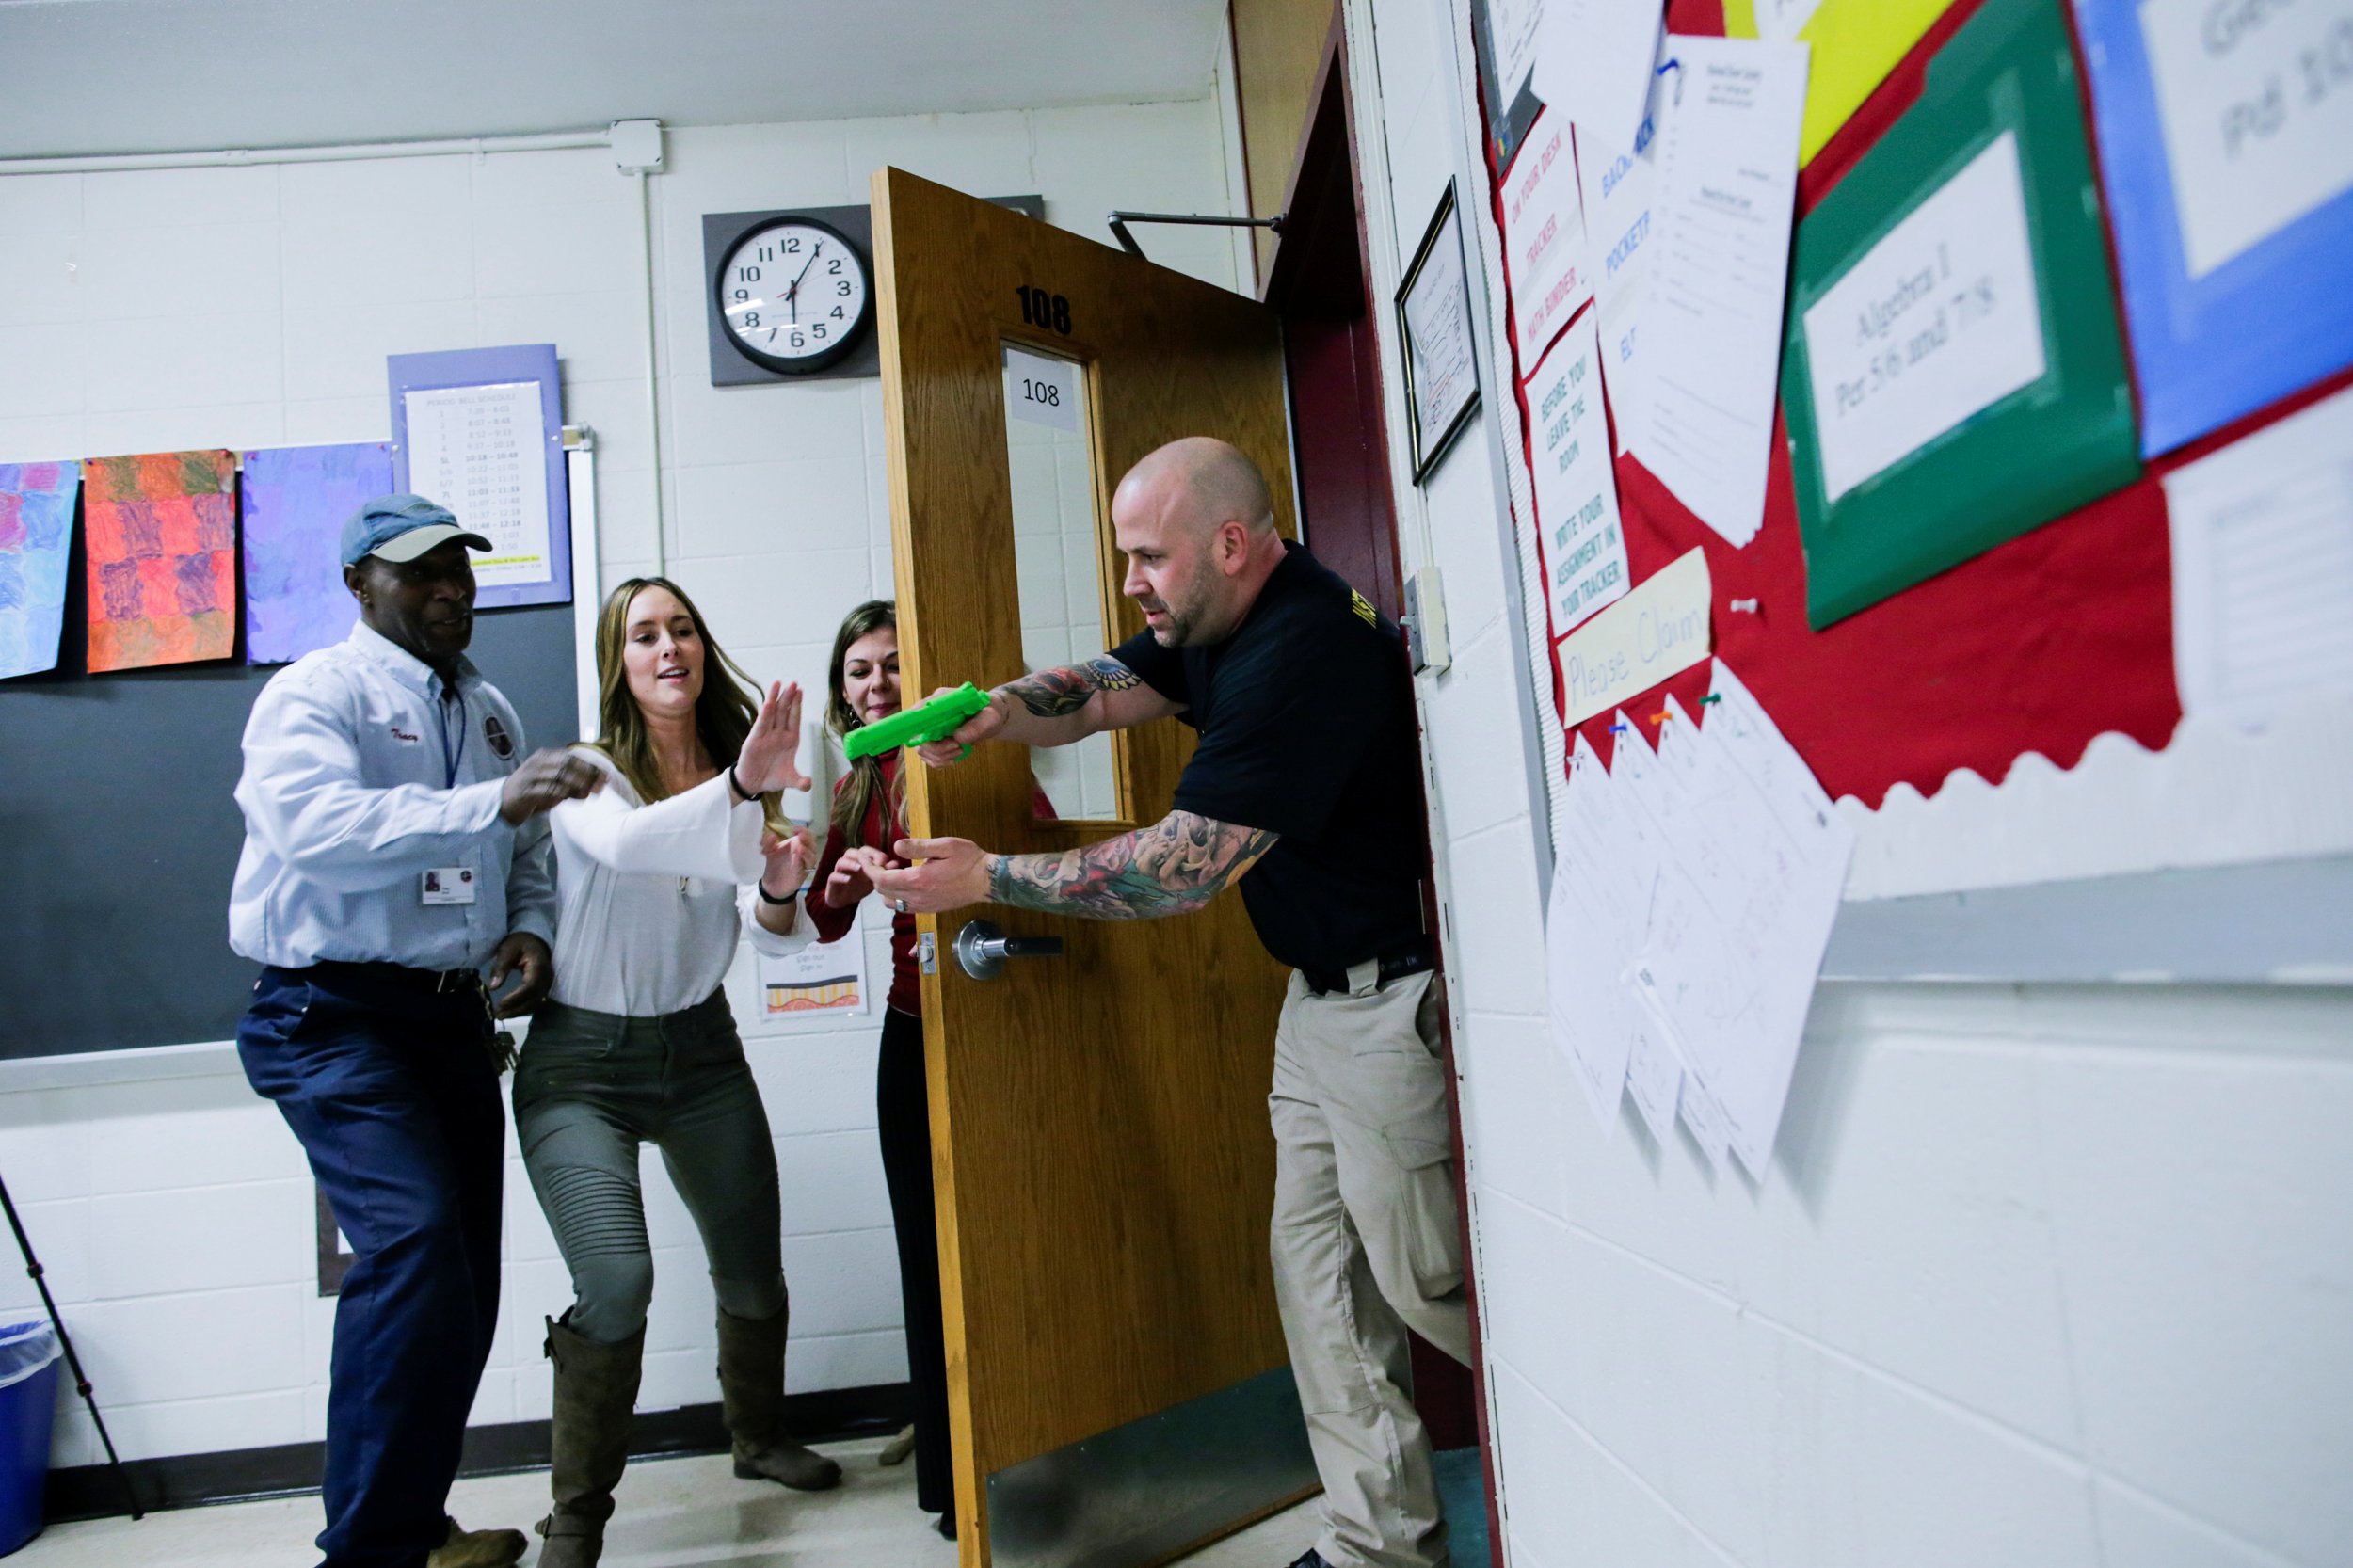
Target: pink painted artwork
{"points": [[160, 546]]}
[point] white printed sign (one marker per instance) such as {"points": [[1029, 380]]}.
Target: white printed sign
{"points": [[1438, 339], [1576, 485], [1512, 26], [2256, 97], [1937, 320], [1617, 190], [822, 977], [1653, 632], [482, 453], [1041, 390], [1543, 237]]}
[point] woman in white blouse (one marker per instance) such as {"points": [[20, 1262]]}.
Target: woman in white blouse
{"points": [[657, 871]]}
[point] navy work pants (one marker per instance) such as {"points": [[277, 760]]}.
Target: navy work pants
{"points": [[389, 1085]]}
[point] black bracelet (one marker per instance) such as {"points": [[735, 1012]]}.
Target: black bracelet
{"points": [[737, 785], [769, 898]]}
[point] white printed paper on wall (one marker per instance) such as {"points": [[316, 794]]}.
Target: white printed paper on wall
{"points": [[482, 453], [2262, 568], [822, 977], [1443, 362], [1937, 321], [1658, 629], [1513, 26], [1618, 225], [2257, 104], [1593, 60], [1543, 237], [1041, 390], [1729, 114], [1577, 485]]}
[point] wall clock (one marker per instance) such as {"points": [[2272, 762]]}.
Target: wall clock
{"points": [[793, 295]]}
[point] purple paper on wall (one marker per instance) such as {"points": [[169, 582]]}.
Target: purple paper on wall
{"points": [[36, 536], [295, 501]]}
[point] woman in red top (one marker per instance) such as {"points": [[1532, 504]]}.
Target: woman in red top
{"points": [[866, 822]]}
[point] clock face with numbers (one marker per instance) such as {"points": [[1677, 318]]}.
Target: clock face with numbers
{"points": [[794, 295]]}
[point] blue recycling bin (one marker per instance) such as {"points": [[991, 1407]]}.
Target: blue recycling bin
{"points": [[28, 1403]]}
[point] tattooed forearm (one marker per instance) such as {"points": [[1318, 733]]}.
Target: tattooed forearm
{"points": [[1172, 868], [1051, 693]]}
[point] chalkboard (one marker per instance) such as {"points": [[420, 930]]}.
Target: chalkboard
{"points": [[121, 836]]}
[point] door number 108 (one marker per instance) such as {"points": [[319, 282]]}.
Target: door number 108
{"points": [[1040, 309]]}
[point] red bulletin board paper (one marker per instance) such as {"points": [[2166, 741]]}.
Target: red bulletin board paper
{"points": [[2037, 646], [160, 541]]}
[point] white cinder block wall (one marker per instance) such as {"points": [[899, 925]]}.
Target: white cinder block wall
{"points": [[2039, 1276], [254, 306]]}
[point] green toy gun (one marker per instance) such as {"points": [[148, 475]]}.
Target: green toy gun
{"points": [[935, 720]]}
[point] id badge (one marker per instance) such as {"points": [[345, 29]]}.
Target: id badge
{"points": [[446, 885]]}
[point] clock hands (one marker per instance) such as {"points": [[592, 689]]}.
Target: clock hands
{"points": [[792, 290]]}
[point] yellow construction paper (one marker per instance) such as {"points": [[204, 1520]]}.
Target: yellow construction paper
{"points": [[1856, 43]]}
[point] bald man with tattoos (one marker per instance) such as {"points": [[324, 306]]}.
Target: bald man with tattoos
{"points": [[1303, 791]]}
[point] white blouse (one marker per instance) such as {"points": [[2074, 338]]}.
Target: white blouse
{"points": [[653, 896]]}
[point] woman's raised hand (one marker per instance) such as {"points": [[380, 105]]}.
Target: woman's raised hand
{"points": [[770, 758]]}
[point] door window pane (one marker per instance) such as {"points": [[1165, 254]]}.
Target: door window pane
{"points": [[1057, 560]]}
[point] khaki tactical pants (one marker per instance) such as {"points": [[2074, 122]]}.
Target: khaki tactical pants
{"points": [[1366, 1245]]}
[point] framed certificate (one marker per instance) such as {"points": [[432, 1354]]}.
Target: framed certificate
{"points": [[1433, 316]]}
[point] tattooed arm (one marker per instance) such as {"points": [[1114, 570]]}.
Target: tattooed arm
{"points": [[1172, 868], [1056, 707]]}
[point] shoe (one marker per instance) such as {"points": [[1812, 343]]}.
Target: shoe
{"points": [[896, 1450], [1313, 1559], [595, 1393], [465, 1548], [946, 1525], [751, 1396]]}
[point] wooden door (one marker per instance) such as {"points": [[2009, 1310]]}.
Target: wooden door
{"points": [[1119, 1386]]}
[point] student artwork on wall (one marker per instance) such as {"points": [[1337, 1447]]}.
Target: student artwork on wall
{"points": [[159, 534], [2227, 152], [296, 498], [36, 536], [1954, 376]]}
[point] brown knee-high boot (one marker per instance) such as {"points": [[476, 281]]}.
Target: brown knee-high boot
{"points": [[595, 1391], [752, 1390]]}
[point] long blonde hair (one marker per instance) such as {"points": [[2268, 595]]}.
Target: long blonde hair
{"points": [[866, 781], [722, 712]]}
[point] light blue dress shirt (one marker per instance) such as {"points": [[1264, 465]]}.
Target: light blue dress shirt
{"points": [[361, 775]]}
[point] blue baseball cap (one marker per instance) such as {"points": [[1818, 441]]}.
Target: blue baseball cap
{"points": [[401, 528]]}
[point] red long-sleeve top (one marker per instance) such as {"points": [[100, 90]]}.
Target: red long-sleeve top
{"points": [[880, 830]]}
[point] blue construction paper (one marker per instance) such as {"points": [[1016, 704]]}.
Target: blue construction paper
{"points": [[36, 540], [295, 501], [2209, 351]]}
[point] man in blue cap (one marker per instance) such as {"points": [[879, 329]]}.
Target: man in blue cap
{"points": [[395, 875]]}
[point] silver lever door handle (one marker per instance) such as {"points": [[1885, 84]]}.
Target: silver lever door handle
{"points": [[982, 949]]}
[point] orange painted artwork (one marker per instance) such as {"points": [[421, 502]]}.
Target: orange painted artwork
{"points": [[160, 540]]}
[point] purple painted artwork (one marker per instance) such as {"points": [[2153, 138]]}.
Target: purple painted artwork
{"points": [[35, 534], [295, 501]]}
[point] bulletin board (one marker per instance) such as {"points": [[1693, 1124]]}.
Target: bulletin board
{"points": [[2049, 634]]}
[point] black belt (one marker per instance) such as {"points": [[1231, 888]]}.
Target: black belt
{"points": [[437, 981], [1396, 965]]}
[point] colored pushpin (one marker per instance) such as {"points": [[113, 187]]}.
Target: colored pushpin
{"points": [[1662, 716], [1712, 697], [1618, 728], [1743, 607]]}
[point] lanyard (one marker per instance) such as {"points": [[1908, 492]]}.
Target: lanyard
{"points": [[451, 754]]}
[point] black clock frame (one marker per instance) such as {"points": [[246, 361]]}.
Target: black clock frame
{"points": [[804, 365]]}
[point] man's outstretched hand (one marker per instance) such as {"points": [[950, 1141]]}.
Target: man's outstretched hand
{"points": [[946, 873], [981, 725]]}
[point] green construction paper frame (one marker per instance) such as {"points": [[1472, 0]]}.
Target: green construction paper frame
{"points": [[2049, 447]]}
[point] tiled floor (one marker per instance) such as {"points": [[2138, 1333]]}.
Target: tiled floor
{"points": [[673, 1513]]}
